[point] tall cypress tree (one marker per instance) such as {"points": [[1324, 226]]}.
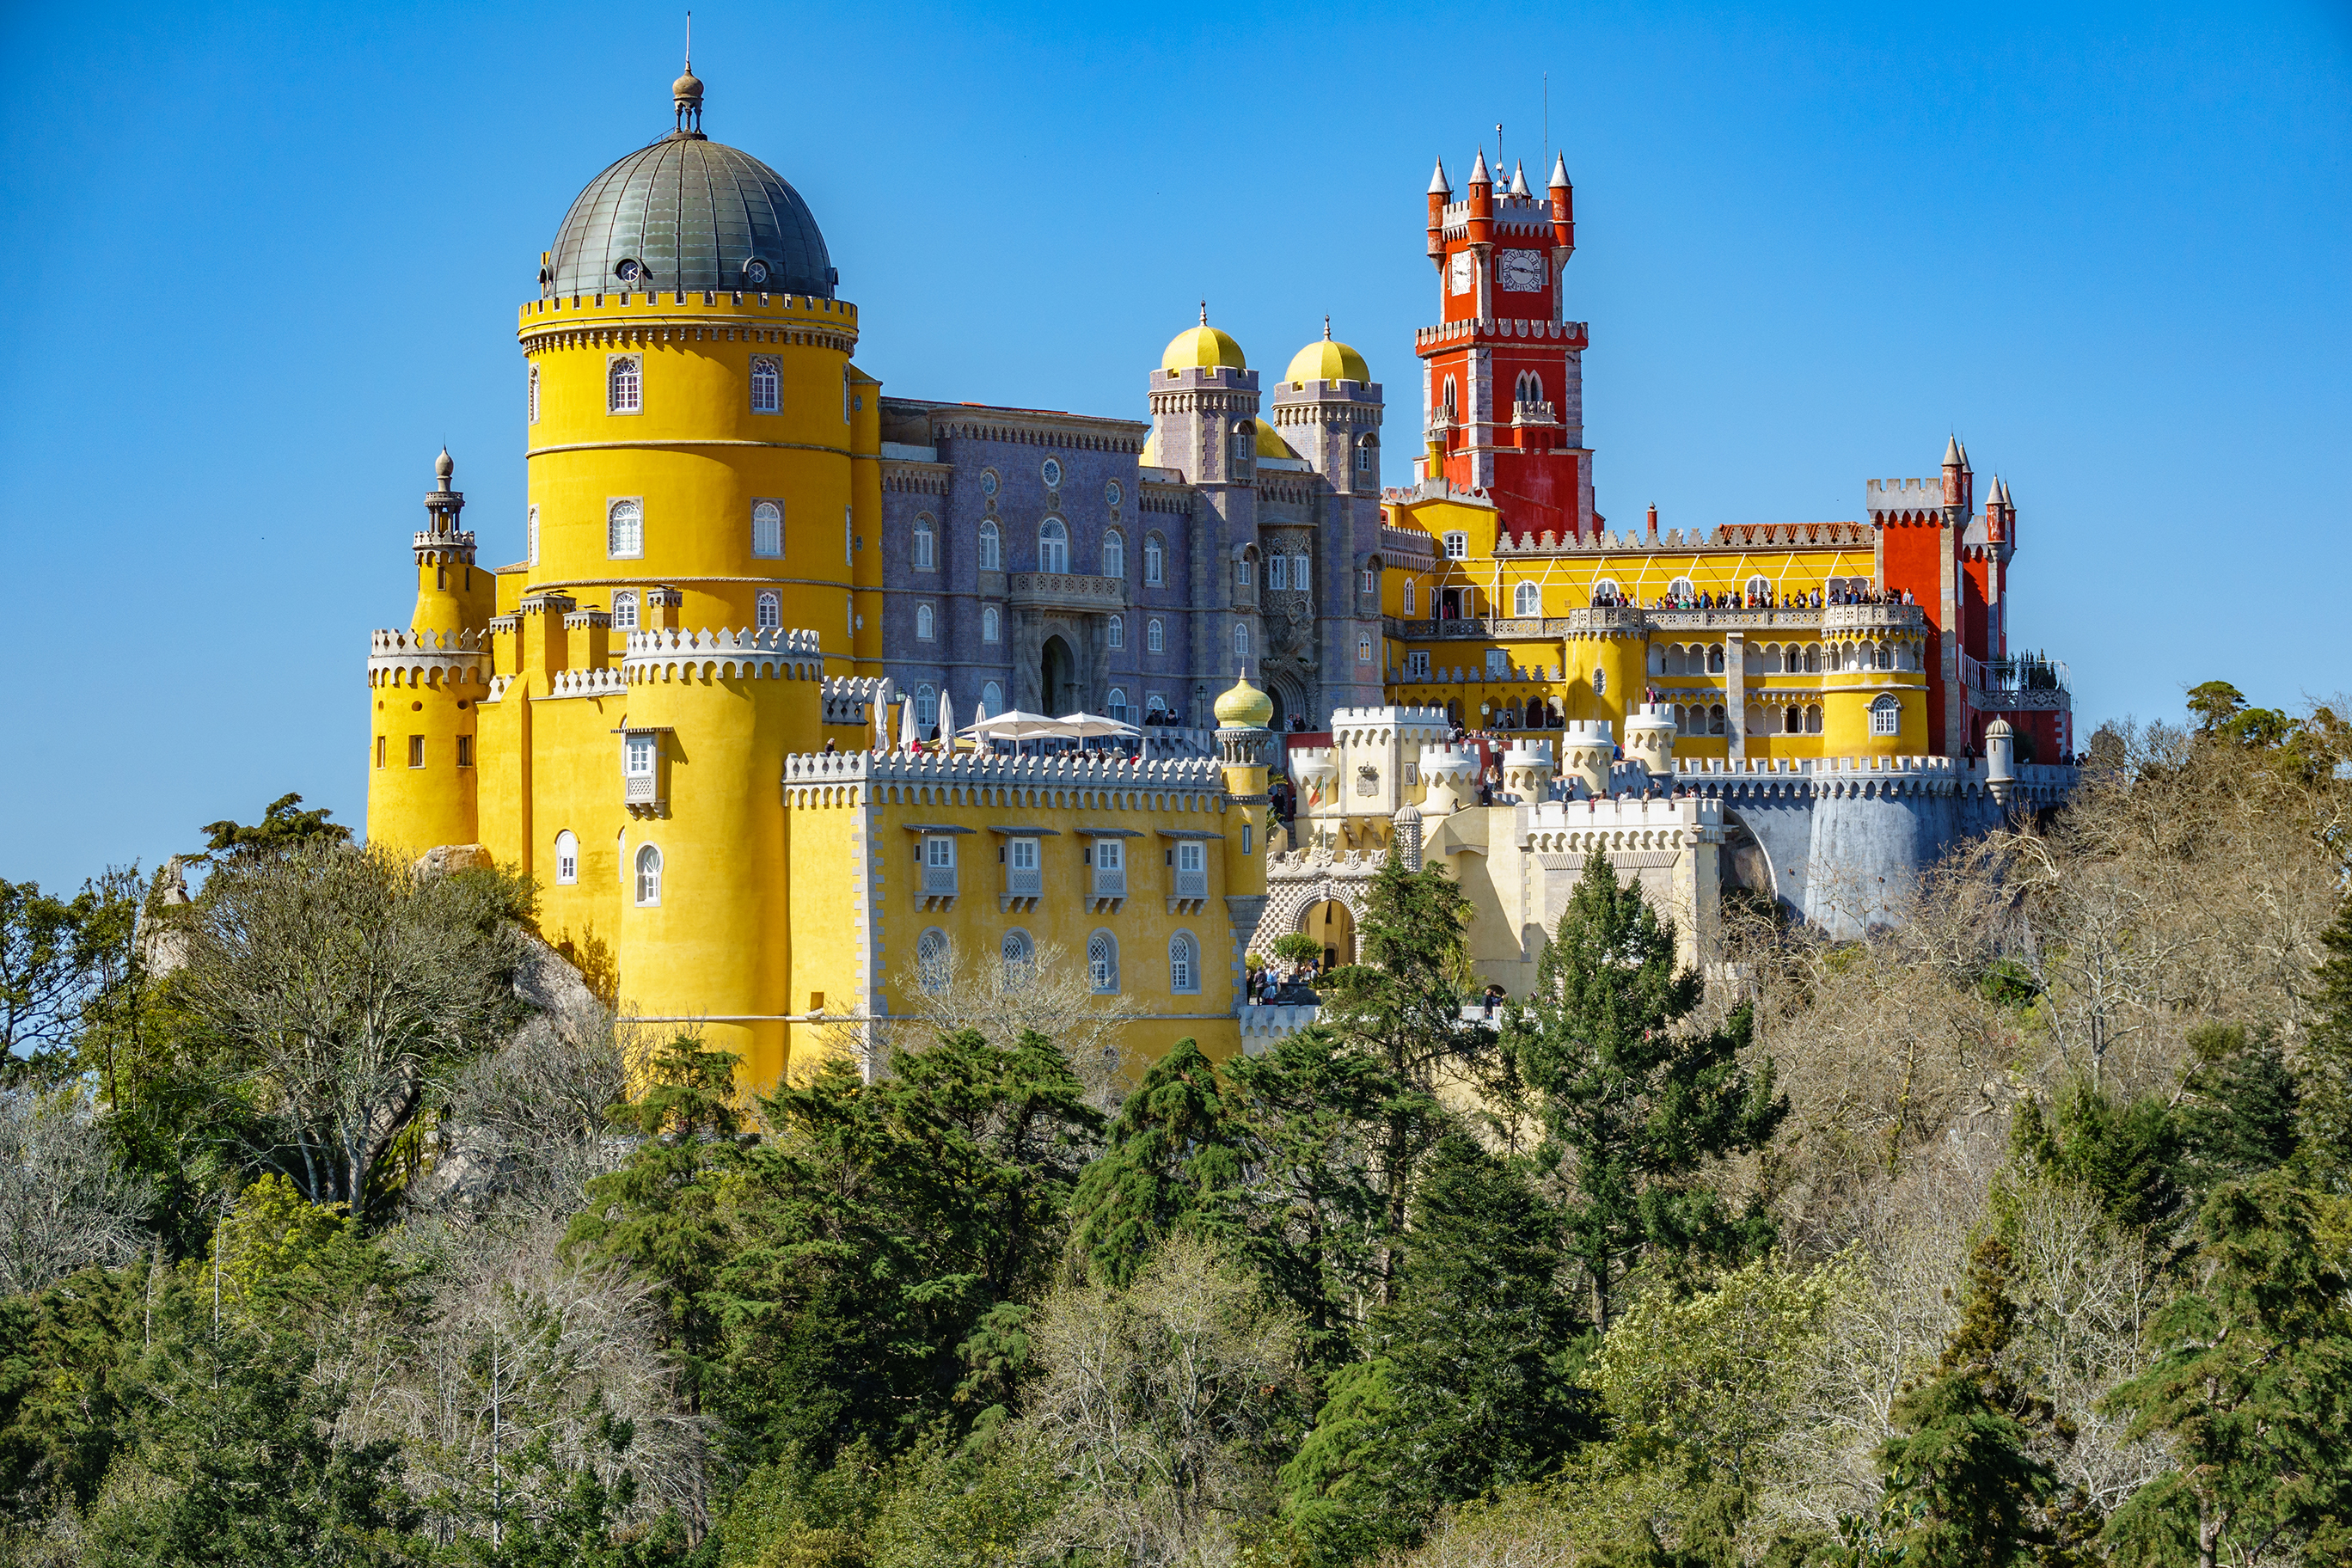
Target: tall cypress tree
{"points": [[1637, 1101], [1402, 1004]]}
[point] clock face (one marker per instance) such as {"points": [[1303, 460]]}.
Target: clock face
{"points": [[1461, 273], [1053, 473], [1523, 270]]}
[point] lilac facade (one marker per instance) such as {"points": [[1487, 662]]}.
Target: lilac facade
{"points": [[1035, 560]]}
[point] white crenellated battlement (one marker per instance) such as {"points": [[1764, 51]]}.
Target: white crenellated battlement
{"points": [[427, 657], [1904, 495], [670, 654], [601, 682], [1066, 779], [848, 698], [1622, 826]]}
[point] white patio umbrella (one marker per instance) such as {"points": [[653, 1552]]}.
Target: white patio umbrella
{"points": [[882, 719], [1014, 725], [907, 724], [947, 723], [1086, 726]]}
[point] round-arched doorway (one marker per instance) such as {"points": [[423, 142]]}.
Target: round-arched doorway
{"points": [[1333, 924], [1057, 685]]}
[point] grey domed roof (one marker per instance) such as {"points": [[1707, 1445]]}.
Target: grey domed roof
{"points": [[693, 214]]}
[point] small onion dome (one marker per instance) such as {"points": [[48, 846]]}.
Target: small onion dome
{"points": [[1327, 361], [687, 89], [1203, 348], [1998, 730], [1270, 443], [1244, 707], [444, 465]]}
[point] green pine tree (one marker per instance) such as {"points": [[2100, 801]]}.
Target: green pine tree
{"points": [[2251, 1388], [2128, 1156], [1638, 1103], [2238, 1115], [1962, 1491], [1468, 1388], [1174, 1158], [2326, 1092], [1401, 1005]]}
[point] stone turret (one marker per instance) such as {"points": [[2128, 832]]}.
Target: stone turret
{"points": [[1586, 751], [1526, 772], [2000, 759], [1649, 741]]}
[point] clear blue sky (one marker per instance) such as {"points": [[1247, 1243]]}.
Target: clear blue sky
{"points": [[265, 260]]}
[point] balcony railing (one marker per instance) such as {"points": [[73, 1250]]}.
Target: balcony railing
{"points": [[938, 882], [1109, 882], [1024, 882], [1192, 885], [1065, 591], [1533, 414]]}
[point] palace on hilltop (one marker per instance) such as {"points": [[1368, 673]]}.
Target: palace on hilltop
{"points": [[739, 559]]}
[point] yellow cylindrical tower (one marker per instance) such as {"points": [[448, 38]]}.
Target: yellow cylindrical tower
{"points": [[702, 929], [1605, 666], [423, 686], [1244, 740]]}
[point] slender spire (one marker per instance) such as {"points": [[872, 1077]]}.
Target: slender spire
{"points": [[1438, 184], [1952, 458], [1519, 180], [1204, 313], [1327, 327], [1559, 172], [1478, 176]]}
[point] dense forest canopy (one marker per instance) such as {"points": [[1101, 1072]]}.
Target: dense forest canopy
{"points": [[343, 1221]]}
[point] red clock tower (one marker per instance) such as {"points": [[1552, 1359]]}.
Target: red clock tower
{"points": [[1502, 374]]}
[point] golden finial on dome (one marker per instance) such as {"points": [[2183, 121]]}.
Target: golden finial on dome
{"points": [[1243, 706]]}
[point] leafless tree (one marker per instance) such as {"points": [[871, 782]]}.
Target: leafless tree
{"points": [[349, 988], [64, 1203], [1158, 1404]]}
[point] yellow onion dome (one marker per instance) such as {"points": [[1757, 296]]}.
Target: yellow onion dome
{"points": [[1327, 361], [1244, 707], [1203, 348], [1270, 443]]}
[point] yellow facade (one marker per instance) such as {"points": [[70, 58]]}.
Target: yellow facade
{"points": [[1530, 632]]}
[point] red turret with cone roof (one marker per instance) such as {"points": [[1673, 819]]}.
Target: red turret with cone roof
{"points": [[1503, 376]]}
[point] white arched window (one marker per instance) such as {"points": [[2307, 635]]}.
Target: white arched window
{"points": [[1885, 716], [763, 384], [991, 624], [991, 699], [1155, 557], [927, 708], [1053, 546], [1409, 598], [567, 857], [1020, 956], [1680, 591], [767, 528], [1102, 962], [1244, 570], [530, 536], [933, 965], [1759, 590], [1116, 702], [530, 398], [992, 547], [1241, 639], [625, 528], [649, 870], [1244, 444], [1606, 591], [1114, 554], [1364, 647], [1183, 963], [1451, 400], [1526, 600], [1457, 547], [923, 621], [1116, 631], [926, 546], [1155, 635], [769, 613], [623, 384], [1364, 456], [624, 609]]}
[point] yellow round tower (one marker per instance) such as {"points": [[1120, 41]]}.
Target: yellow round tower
{"points": [[1243, 742], [692, 410], [424, 687]]}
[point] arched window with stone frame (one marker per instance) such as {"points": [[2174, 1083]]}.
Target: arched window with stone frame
{"points": [[1053, 546], [1020, 956], [1155, 561], [649, 876], [1102, 964], [992, 547], [991, 624], [764, 383], [769, 612], [1114, 554], [1115, 633], [1183, 965], [927, 708], [531, 400], [934, 966], [1886, 715], [1244, 444], [1241, 639], [624, 527], [991, 699], [1155, 635], [767, 529], [925, 622], [1527, 601], [927, 545], [624, 609], [567, 859], [625, 391]]}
